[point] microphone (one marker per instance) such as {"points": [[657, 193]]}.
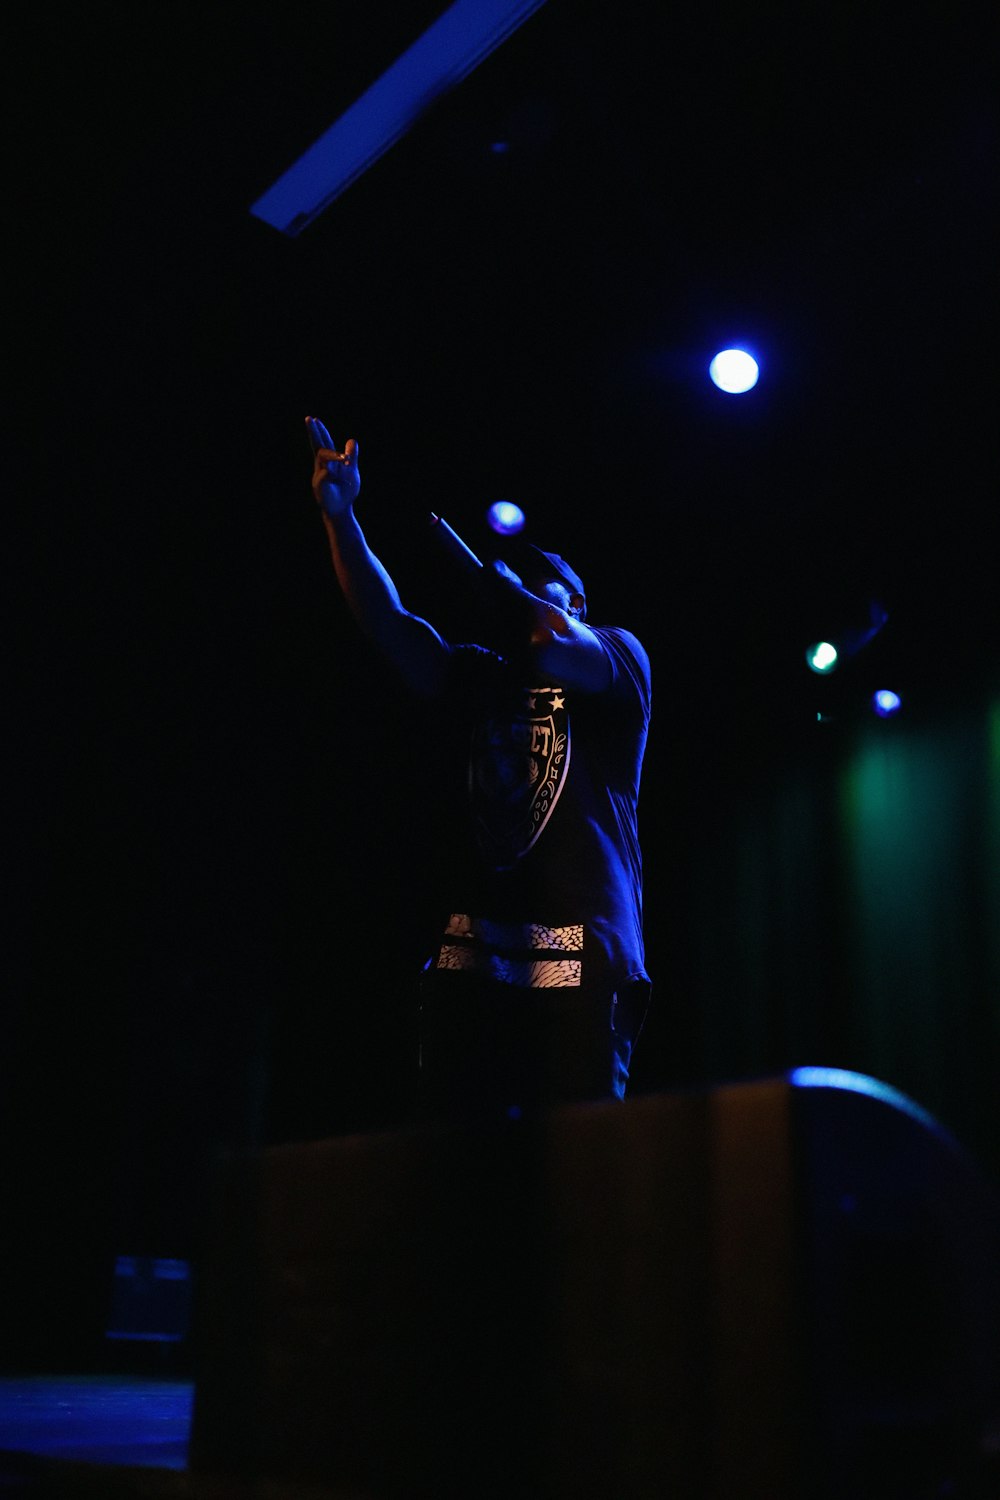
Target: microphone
{"points": [[454, 545]]}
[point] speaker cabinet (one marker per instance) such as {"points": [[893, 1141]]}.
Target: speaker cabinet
{"points": [[766, 1289]]}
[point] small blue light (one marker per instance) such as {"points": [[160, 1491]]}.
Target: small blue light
{"points": [[734, 371], [886, 702], [505, 517]]}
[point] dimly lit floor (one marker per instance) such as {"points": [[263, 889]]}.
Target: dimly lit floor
{"points": [[125, 1437], [53, 1427]]}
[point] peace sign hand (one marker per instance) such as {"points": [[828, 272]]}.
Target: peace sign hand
{"points": [[336, 480]]}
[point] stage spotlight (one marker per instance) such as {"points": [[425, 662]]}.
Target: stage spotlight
{"points": [[822, 657], [505, 517], [461, 38], [886, 702], [734, 371], [844, 643]]}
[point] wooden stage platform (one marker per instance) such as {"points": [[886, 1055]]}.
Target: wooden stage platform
{"points": [[786, 1289]]}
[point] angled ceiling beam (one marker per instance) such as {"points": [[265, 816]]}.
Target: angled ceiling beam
{"points": [[451, 47]]}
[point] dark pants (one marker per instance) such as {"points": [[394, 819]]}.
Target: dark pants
{"points": [[488, 1047]]}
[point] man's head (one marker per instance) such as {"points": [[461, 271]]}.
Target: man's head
{"points": [[550, 576]]}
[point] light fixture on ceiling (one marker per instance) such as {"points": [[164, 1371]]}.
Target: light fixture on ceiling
{"points": [[451, 47]]}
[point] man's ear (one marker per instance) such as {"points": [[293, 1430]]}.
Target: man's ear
{"points": [[578, 606]]}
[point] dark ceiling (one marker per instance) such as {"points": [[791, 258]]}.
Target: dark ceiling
{"points": [[532, 322]]}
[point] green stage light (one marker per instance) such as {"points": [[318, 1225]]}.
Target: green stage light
{"points": [[822, 657]]}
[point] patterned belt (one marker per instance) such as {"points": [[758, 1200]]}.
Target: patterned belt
{"points": [[521, 953]]}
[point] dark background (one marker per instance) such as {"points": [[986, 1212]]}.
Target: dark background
{"points": [[220, 812]]}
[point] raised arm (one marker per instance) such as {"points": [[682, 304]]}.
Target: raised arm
{"points": [[408, 642]]}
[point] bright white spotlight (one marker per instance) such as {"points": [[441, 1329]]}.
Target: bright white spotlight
{"points": [[886, 702], [734, 371], [505, 517], [822, 657]]}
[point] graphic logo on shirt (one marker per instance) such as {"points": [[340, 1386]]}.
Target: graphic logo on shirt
{"points": [[517, 770]]}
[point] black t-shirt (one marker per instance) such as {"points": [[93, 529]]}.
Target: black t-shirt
{"points": [[544, 883]]}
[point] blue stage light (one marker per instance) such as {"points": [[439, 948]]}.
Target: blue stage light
{"points": [[734, 371], [505, 517], [460, 39], [822, 657], [886, 702]]}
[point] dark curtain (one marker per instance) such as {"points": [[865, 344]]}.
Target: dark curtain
{"points": [[845, 914]]}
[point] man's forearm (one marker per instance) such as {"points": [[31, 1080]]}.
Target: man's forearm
{"points": [[370, 592]]}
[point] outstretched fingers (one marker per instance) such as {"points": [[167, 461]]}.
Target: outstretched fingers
{"points": [[323, 444], [318, 435]]}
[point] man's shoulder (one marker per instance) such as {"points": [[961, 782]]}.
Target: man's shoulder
{"points": [[626, 649]]}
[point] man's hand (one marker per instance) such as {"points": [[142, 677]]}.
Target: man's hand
{"points": [[335, 481], [506, 576]]}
